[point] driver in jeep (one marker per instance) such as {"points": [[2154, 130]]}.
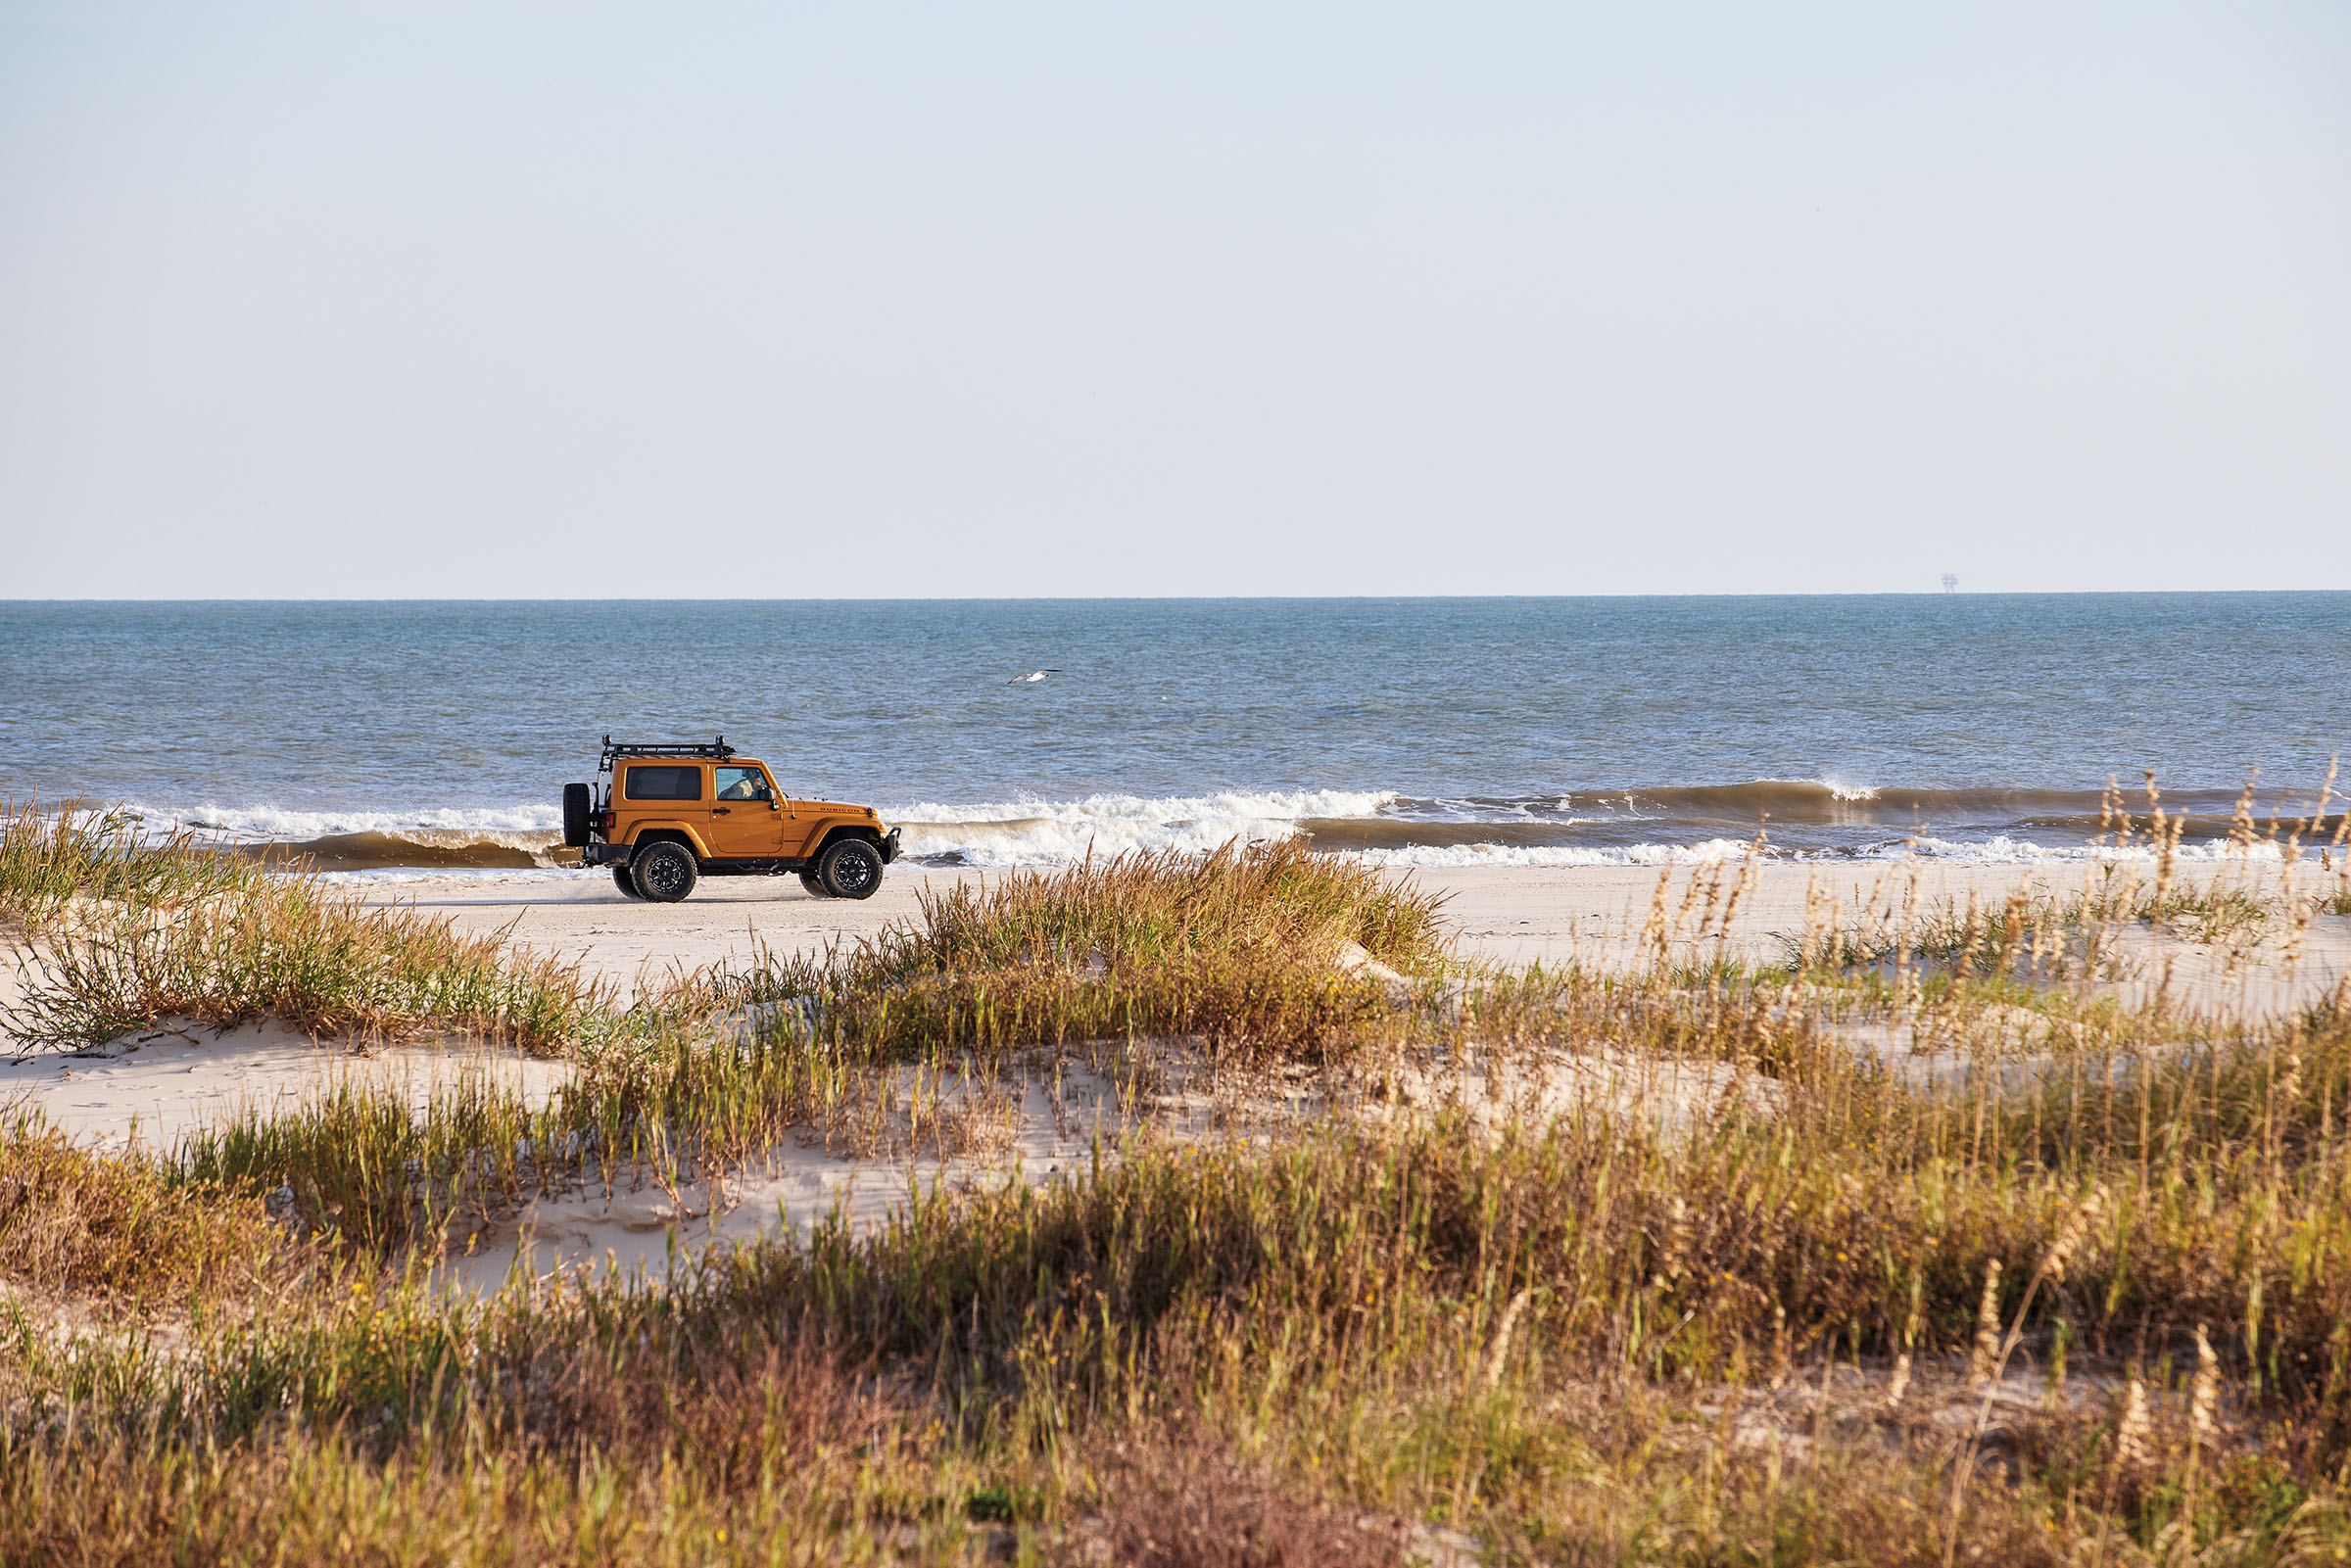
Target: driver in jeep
{"points": [[749, 786]]}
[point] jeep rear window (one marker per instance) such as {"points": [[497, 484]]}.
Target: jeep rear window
{"points": [[648, 782]]}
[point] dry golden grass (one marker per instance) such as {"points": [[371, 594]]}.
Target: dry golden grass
{"points": [[1272, 898], [298, 949], [1242, 945], [118, 1230]]}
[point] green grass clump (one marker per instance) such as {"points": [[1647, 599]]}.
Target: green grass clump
{"points": [[49, 857], [366, 1170], [122, 1231], [318, 956], [1245, 945], [1141, 910], [182, 928]]}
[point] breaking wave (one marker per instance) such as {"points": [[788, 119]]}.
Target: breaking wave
{"points": [[520, 837], [1827, 818], [1675, 826], [424, 849], [2000, 850], [1057, 832]]}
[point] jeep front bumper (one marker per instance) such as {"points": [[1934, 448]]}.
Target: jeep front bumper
{"points": [[889, 846]]}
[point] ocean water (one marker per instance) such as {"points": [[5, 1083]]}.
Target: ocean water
{"points": [[1420, 732]]}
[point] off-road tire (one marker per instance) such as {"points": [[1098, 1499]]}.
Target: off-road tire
{"points": [[851, 868], [815, 884], [664, 871], [626, 883]]}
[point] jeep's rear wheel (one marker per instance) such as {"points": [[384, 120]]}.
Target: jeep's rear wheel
{"points": [[850, 869], [621, 880], [815, 884], [665, 873]]}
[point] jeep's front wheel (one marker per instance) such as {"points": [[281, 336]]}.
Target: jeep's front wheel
{"points": [[665, 873], [850, 869], [622, 880]]}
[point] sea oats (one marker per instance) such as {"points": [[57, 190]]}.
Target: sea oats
{"points": [[1984, 1361], [2074, 1232], [2205, 1398], [2132, 1435]]}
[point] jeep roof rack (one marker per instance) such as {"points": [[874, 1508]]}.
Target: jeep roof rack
{"points": [[717, 749]]}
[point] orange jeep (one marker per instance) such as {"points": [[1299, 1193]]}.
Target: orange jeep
{"points": [[673, 814]]}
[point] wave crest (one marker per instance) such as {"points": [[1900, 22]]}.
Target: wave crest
{"points": [[1038, 833], [1640, 827]]}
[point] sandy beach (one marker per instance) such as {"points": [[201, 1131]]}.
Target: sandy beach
{"points": [[1511, 916], [155, 1084]]}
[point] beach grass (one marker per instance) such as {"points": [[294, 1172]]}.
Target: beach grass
{"points": [[123, 1231], [51, 856], [2062, 1280], [307, 953], [1264, 950], [129, 932], [1141, 909], [1544, 1338]]}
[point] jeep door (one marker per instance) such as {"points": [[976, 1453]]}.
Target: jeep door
{"points": [[747, 819], [655, 795]]}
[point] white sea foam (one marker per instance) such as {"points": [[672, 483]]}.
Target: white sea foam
{"points": [[2000, 850], [1046, 833], [1054, 833], [2003, 850], [270, 823], [1443, 856]]}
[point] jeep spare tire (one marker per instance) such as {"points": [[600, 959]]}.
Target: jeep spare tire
{"points": [[665, 873], [576, 804], [850, 868]]}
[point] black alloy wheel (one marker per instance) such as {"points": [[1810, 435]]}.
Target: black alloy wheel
{"points": [[665, 873], [850, 869], [814, 884], [622, 880]]}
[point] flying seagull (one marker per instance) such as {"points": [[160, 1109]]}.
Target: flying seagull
{"points": [[1031, 678]]}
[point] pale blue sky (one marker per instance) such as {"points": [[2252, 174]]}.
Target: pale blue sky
{"points": [[517, 299]]}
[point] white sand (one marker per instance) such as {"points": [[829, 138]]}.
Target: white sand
{"points": [[1042, 1130], [1506, 915], [150, 1087]]}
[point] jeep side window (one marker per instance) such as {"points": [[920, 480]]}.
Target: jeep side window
{"points": [[647, 782], [742, 783]]}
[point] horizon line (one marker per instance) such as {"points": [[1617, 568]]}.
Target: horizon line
{"points": [[1167, 599]]}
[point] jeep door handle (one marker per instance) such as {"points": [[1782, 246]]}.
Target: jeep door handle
{"points": [[721, 811]]}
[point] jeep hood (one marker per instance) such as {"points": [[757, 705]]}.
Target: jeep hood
{"points": [[829, 808]]}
